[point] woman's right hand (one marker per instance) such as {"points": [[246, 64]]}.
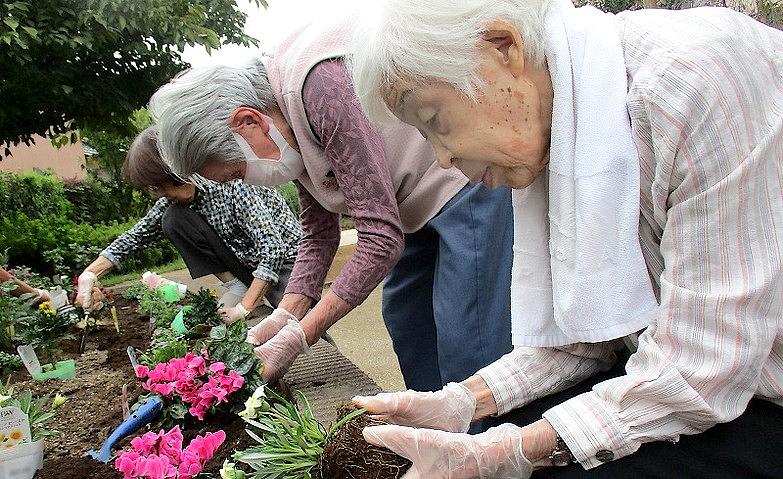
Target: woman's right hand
{"points": [[450, 409]]}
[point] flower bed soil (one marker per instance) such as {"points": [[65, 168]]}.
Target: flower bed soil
{"points": [[93, 407]]}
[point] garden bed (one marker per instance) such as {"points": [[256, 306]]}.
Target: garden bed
{"points": [[93, 405]]}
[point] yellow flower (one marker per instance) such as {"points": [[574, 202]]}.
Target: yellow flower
{"points": [[58, 401], [46, 308], [16, 435], [213, 293]]}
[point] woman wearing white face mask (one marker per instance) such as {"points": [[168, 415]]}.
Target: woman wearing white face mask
{"points": [[426, 230]]}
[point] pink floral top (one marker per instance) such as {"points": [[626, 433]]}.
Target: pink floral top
{"points": [[355, 151]]}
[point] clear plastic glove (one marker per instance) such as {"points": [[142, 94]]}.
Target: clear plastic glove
{"points": [[234, 314], [279, 353], [495, 454], [450, 409], [88, 295], [42, 295], [269, 326]]}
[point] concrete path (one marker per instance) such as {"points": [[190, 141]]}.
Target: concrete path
{"points": [[361, 336]]}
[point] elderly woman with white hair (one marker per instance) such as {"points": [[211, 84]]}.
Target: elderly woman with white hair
{"points": [[646, 153], [427, 230]]}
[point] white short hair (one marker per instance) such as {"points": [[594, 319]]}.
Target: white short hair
{"points": [[193, 110], [432, 40]]}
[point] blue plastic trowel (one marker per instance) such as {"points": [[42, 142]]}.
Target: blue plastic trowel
{"points": [[148, 412]]}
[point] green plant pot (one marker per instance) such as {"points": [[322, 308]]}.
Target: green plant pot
{"points": [[178, 325]]}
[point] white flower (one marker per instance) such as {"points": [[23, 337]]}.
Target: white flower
{"points": [[229, 471], [253, 403]]}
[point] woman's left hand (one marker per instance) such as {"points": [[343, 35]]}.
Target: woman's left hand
{"points": [[496, 453]]}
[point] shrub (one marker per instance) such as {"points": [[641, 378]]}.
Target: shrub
{"points": [[54, 244], [290, 195]]}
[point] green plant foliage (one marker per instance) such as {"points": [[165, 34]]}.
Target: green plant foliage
{"points": [[45, 328], [290, 195], [9, 363], [71, 65], [152, 303], [39, 410], [13, 311], [40, 226], [289, 440], [166, 345], [204, 311], [227, 344]]}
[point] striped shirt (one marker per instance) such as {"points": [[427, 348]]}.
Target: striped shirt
{"points": [[706, 107], [253, 221]]}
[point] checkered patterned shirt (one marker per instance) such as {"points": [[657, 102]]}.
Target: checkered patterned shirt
{"points": [[253, 221], [705, 102]]}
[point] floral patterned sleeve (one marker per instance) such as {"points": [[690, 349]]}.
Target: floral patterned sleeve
{"points": [[355, 152], [320, 239]]}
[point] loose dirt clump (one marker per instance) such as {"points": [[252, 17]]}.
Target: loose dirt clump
{"points": [[348, 456]]}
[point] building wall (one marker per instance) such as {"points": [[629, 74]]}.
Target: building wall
{"points": [[66, 162]]}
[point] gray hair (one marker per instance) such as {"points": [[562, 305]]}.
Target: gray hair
{"points": [[193, 111], [433, 40]]}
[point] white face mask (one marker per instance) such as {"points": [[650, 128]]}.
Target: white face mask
{"points": [[264, 172]]}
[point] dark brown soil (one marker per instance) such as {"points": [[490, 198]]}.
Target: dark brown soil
{"points": [[348, 456], [93, 408]]}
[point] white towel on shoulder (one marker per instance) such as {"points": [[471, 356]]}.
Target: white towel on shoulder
{"points": [[578, 272]]}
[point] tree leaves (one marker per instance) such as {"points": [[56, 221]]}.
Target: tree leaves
{"points": [[66, 68]]}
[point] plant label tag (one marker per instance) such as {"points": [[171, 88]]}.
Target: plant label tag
{"points": [[29, 359], [14, 427]]}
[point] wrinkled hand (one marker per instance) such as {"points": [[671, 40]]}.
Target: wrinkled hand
{"points": [[495, 454], [269, 326], [88, 295], [232, 315], [450, 409], [279, 353]]}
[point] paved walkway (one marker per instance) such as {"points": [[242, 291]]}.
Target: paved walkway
{"points": [[361, 336]]}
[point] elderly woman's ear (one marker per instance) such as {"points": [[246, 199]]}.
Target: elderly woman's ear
{"points": [[245, 116], [502, 40]]}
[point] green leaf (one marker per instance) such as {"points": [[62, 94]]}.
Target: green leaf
{"points": [[31, 31], [11, 22]]}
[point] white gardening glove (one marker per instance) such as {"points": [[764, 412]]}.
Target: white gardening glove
{"points": [[450, 409], [495, 454], [232, 315], [269, 326], [87, 295], [279, 353]]}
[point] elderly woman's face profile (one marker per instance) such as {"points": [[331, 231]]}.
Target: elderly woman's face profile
{"points": [[501, 138]]}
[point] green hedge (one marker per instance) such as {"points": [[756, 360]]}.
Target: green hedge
{"points": [[60, 228], [290, 195]]}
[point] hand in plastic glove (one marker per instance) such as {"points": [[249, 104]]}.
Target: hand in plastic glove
{"points": [[450, 409], [42, 295], [279, 353], [495, 454], [88, 295], [232, 315], [269, 326]]}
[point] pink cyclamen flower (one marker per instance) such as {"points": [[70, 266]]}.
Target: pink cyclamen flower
{"points": [[170, 444], [142, 371], [146, 444], [126, 463], [158, 467]]}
